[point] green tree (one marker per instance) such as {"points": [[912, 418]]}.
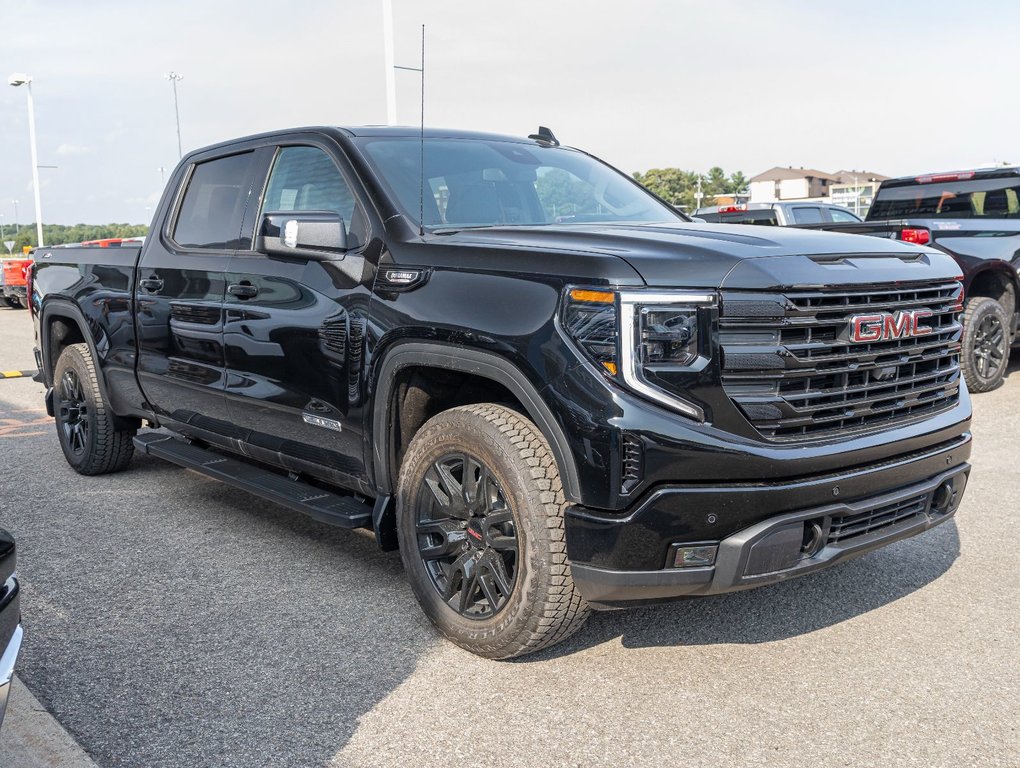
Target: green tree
{"points": [[680, 187], [673, 185], [738, 182], [716, 183]]}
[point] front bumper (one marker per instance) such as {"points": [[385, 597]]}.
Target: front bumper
{"points": [[617, 561]]}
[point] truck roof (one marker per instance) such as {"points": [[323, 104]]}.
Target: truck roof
{"points": [[394, 131], [959, 175]]}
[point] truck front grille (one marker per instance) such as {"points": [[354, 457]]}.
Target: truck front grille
{"points": [[790, 367]]}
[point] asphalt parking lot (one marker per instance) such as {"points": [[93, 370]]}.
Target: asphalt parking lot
{"points": [[172, 621]]}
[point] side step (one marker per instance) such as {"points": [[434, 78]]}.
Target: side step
{"points": [[324, 506]]}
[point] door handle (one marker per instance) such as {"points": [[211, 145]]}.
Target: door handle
{"points": [[243, 290], [151, 284]]}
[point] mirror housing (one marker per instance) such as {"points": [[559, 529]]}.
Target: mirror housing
{"points": [[308, 234]]}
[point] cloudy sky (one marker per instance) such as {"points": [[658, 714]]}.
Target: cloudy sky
{"points": [[896, 87]]}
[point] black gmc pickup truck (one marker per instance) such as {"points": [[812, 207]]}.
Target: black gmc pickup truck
{"points": [[546, 412]]}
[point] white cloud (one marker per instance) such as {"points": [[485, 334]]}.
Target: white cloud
{"points": [[74, 150]]}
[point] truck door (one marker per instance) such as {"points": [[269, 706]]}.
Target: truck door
{"points": [[179, 295], [294, 330]]}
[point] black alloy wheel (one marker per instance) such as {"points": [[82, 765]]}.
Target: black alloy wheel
{"points": [[93, 440], [986, 341], [466, 536], [990, 348], [73, 416], [480, 522]]}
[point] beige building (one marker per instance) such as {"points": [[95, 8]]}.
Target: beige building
{"points": [[852, 189], [778, 184], [855, 189]]}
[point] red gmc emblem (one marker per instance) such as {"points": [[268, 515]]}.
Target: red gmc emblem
{"points": [[887, 326]]}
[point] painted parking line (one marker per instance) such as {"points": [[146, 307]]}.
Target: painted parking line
{"points": [[17, 374]]}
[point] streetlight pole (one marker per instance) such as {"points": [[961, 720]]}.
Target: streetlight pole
{"points": [[16, 227], [173, 77], [18, 80], [391, 80]]}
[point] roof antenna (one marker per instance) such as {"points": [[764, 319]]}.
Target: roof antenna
{"points": [[545, 136], [421, 197]]}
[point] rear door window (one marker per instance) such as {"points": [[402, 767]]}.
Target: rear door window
{"points": [[803, 214], [214, 201], [841, 216]]}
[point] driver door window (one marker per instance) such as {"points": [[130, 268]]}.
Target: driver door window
{"points": [[307, 179]]}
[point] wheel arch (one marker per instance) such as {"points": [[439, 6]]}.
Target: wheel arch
{"points": [[995, 281], [61, 310], [477, 363]]}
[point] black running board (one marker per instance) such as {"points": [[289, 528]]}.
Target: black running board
{"points": [[325, 506]]}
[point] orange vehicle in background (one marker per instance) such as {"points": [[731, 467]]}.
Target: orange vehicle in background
{"points": [[15, 282]]}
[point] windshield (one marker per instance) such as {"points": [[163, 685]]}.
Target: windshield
{"points": [[964, 199], [477, 183]]}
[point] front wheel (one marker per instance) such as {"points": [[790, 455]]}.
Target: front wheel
{"points": [[87, 429], [986, 344], [480, 523]]}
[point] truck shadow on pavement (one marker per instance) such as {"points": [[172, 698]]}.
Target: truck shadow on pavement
{"points": [[780, 611]]}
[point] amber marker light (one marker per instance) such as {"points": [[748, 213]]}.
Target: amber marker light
{"points": [[592, 297]]}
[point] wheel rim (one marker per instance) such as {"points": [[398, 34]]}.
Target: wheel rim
{"points": [[466, 536], [74, 413], [989, 347]]}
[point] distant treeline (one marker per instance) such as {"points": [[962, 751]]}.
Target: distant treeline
{"points": [[57, 234], [680, 187]]}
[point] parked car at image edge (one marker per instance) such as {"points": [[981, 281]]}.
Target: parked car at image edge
{"points": [[804, 214], [15, 273], [974, 216], [544, 417], [10, 618]]}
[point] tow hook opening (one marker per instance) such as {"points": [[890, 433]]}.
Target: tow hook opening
{"points": [[813, 540], [943, 497]]}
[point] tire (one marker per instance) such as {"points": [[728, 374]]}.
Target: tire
{"points": [[986, 344], [86, 428], [504, 548], [23, 302], [13, 302]]}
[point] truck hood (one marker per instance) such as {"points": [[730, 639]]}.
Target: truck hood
{"points": [[724, 255]]}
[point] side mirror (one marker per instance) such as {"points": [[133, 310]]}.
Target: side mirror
{"points": [[309, 234]]}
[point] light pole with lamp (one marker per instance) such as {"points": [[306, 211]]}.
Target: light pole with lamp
{"points": [[17, 228], [16, 80]]}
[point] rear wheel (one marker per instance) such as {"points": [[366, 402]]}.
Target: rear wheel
{"points": [[480, 522], [87, 429], [986, 344], [13, 302]]}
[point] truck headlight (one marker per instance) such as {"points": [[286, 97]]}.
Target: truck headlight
{"points": [[642, 338], [668, 335]]}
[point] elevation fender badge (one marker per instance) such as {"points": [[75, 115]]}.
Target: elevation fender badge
{"points": [[888, 326], [320, 421]]}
